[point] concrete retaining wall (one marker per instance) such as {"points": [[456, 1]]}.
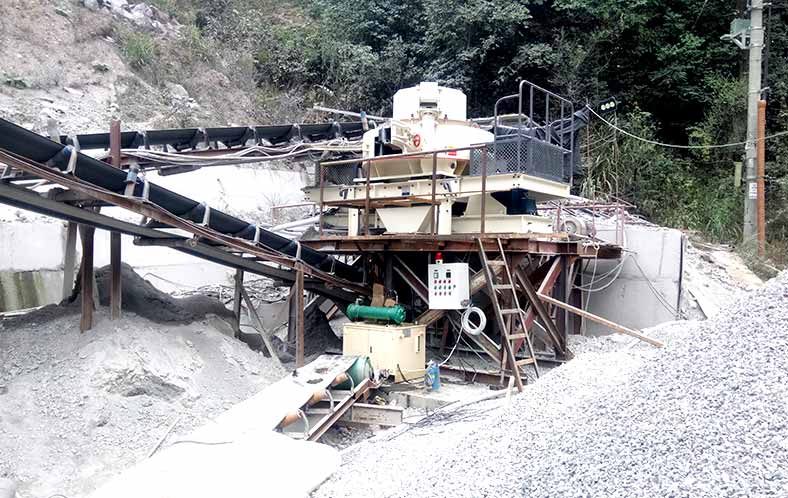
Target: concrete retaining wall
{"points": [[630, 300], [31, 264]]}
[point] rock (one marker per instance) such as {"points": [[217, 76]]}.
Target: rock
{"points": [[91, 4], [176, 92], [16, 82], [117, 6], [100, 67]]}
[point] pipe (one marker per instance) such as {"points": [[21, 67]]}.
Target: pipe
{"points": [[394, 314], [293, 224]]}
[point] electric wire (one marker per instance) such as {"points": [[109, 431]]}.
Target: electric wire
{"points": [[676, 146], [253, 154], [617, 269]]}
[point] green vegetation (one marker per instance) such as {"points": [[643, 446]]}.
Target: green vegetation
{"points": [[664, 61], [139, 48]]}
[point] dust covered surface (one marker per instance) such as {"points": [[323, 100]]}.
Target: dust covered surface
{"points": [[141, 297], [77, 408], [704, 416]]}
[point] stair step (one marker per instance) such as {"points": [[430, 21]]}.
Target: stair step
{"points": [[495, 262], [510, 312], [527, 361], [503, 286], [514, 337]]}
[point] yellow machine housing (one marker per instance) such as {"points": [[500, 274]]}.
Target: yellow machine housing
{"points": [[398, 349]]}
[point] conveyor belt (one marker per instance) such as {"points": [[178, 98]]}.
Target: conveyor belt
{"points": [[188, 138], [38, 149]]}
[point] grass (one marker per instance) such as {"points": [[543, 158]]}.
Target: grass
{"points": [[139, 49]]}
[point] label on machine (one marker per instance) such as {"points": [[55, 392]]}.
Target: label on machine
{"points": [[449, 286]]}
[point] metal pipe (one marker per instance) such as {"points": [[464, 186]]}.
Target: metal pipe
{"points": [[433, 222], [483, 212], [293, 224], [366, 201], [394, 157]]}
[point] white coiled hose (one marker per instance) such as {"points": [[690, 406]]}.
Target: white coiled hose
{"points": [[469, 327]]}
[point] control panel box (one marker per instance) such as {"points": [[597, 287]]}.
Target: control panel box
{"points": [[449, 286]]}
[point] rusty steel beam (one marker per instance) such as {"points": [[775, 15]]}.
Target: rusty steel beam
{"points": [[545, 287], [86, 278], [538, 309], [115, 289], [513, 243]]}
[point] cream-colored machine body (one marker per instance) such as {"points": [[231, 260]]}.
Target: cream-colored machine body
{"points": [[398, 349], [428, 117]]}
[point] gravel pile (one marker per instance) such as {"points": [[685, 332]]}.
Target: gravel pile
{"points": [[75, 409], [705, 416]]}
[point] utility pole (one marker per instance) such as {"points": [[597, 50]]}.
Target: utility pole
{"points": [[753, 97]]}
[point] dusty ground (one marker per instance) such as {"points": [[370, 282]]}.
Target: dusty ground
{"points": [[704, 416], [77, 408], [713, 277]]}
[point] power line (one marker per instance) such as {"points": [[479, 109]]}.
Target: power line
{"points": [[675, 146]]}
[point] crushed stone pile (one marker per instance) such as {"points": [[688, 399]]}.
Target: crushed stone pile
{"points": [[75, 409], [705, 416]]}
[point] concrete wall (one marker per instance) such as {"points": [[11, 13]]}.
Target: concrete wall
{"points": [[31, 263], [31, 246], [630, 300]]}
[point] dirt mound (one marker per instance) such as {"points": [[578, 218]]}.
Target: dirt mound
{"points": [[141, 297], [76, 408]]}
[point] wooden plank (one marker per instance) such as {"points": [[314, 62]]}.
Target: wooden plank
{"points": [[115, 289], [598, 319], [86, 272]]}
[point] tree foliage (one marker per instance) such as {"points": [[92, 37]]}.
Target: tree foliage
{"points": [[664, 60]]}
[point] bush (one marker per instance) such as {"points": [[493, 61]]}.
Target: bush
{"points": [[139, 49]]}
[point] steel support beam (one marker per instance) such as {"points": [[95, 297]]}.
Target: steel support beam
{"points": [[30, 201], [86, 277], [69, 259], [258, 324], [115, 290], [239, 285], [297, 301]]}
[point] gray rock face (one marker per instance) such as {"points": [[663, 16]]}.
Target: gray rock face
{"points": [[705, 416]]}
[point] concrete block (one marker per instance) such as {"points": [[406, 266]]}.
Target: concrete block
{"points": [[28, 289], [31, 246]]}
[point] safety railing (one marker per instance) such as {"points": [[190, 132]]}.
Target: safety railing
{"points": [[538, 140], [368, 203]]}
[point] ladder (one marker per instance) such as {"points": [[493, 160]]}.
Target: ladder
{"points": [[507, 318]]}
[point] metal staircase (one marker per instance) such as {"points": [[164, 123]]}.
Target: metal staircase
{"points": [[508, 314]]}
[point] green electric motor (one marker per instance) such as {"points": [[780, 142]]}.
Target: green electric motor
{"points": [[394, 314]]}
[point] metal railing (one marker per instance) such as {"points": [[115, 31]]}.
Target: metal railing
{"points": [[540, 144], [540, 140], [431, 199]]}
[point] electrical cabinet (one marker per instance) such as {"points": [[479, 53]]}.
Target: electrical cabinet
{"points": [[398, 349], [449, 286]]}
